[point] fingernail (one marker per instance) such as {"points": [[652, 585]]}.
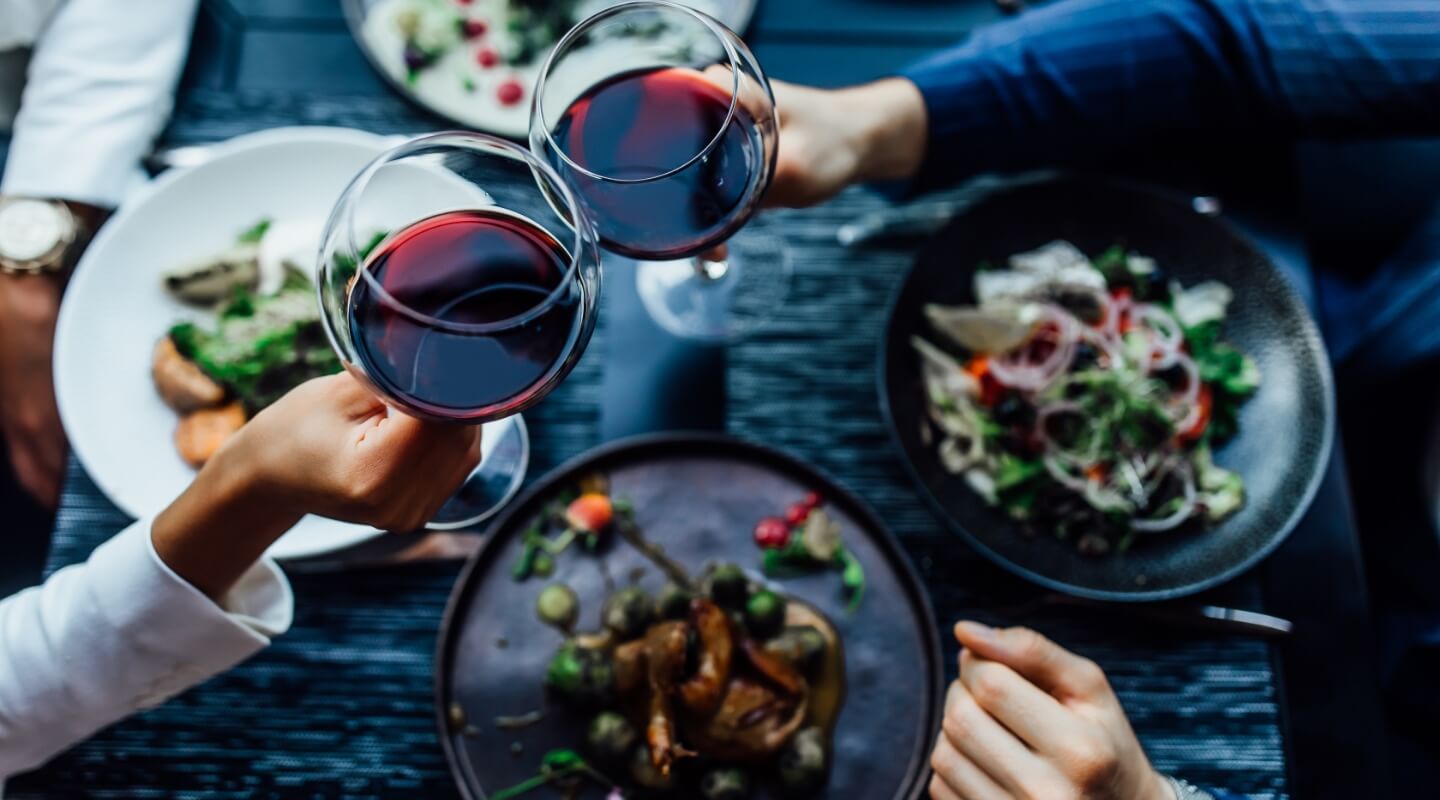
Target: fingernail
{"points": [[974, 630]]}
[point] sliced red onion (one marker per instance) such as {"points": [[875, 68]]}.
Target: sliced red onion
{"points": [[1109, 346], [1185, 408], [1179, 515], [1166, 336], [1014, 367]]}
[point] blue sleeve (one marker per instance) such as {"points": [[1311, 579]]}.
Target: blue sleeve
{"points": [[1076, 81]]}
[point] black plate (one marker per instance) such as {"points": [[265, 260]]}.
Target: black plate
{"points": [[1285, 430], [699, 496]]}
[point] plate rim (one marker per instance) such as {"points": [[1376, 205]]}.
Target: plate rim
{"points": [[130, 205], [704, 443], [1309, 330]]}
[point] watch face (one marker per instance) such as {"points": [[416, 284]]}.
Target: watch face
{"points": [[30, 229]]}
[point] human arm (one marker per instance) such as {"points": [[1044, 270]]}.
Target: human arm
{"points": [[98, 91], [165, 605], [1075, 82], [1027, 718]]}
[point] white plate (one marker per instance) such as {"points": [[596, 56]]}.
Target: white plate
{"points": [[116, 309], [456, 87]]}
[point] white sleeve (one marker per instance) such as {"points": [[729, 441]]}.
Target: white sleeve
{"points": [[118, 633], [101, 83]]}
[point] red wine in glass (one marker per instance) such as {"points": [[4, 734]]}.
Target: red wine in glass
{"points": [[635, 127], [457, 274]]}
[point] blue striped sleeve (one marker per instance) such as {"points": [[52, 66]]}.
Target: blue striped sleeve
{"points": [[1079, 81]]}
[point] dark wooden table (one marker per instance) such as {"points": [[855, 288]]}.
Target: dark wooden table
{"points": [[260, 63]]}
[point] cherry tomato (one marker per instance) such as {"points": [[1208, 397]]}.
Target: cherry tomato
{"points": [[591, 512], [795, 515], [813, 500], [510, 92], [475, 28], [487, 57], [772, 533], [1205, 400]]}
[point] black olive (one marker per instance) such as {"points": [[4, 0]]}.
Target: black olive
{"points": [[1081, 304], [628, 613], [1174, 376], [673, 602], [727, 586], [1086, 356], [1014, 410]]}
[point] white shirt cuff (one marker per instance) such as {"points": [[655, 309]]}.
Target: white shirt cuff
{"points": [[185, 635]]}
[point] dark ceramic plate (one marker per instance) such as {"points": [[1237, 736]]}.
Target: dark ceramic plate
{"points": [[1285, 430], [699, 496]]}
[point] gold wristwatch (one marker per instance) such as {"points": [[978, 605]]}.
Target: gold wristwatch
{"points": [[36, 236]]}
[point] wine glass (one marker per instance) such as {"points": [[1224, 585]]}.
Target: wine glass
{"points": [[663, 123], [458, 279]]}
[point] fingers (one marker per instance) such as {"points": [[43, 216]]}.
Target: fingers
{"points": [[1037, 659], [1023, 708], [985, 743], [957, 777]]}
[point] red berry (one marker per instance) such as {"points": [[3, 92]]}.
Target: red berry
{"points": [[464, 2], [487, 58], [795, 515], [772, 532], [813, 500], [510, 92], [475, 28]]}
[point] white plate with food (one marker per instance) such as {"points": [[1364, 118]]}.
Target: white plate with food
{"points": [[206, 272], [476, 61]]}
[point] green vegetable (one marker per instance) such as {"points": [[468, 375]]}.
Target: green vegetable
{"points": [[262, 347], [581, 676], [557, 605], [674, 602], [728, 783], [804, 764], [802, 646], [852, 578], [628, 613], [727, 585], [1013, 472], [1220, 490], [255, 232], [610, 737], [765, 613], [556, 765]]}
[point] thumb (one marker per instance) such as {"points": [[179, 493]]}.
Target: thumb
{"points": [[1037, 659]]}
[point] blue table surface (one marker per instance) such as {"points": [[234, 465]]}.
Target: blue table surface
{"points": [[345, 698]]}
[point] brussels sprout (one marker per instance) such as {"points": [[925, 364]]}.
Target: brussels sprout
{"points": [[804, 763], [727, 586], [765, 613], [674, 602], [645, 774], [803, 646], [725, 784], [581, 676], [558, 606], [628, 613], [610, 737]]}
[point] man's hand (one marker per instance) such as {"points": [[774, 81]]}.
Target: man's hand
{"points": [[29, 420], [830, 139], [1030, 719]]}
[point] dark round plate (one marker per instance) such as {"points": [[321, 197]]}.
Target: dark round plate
{"points": [[699, 496], [1285, 430]]}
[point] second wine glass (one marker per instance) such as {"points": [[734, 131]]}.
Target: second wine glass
{"points": [[664, 124]]}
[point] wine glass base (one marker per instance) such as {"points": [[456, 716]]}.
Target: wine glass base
{"points": [[505, 456], [730, 303]]}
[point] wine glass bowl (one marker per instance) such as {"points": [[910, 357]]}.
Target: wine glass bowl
{"points": [[457, 278], [664, 125]]}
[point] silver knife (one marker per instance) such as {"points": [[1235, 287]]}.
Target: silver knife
{"points": [[195, 154]]}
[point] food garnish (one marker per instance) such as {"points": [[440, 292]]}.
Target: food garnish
{"points": [[807, 538], [1083, 397]]}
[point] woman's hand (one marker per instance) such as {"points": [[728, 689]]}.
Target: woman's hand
{"points": [[329, 447], [1028, 719], [830, 139]]}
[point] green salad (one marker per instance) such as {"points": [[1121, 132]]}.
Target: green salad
{"points": [[1084, 397]]}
